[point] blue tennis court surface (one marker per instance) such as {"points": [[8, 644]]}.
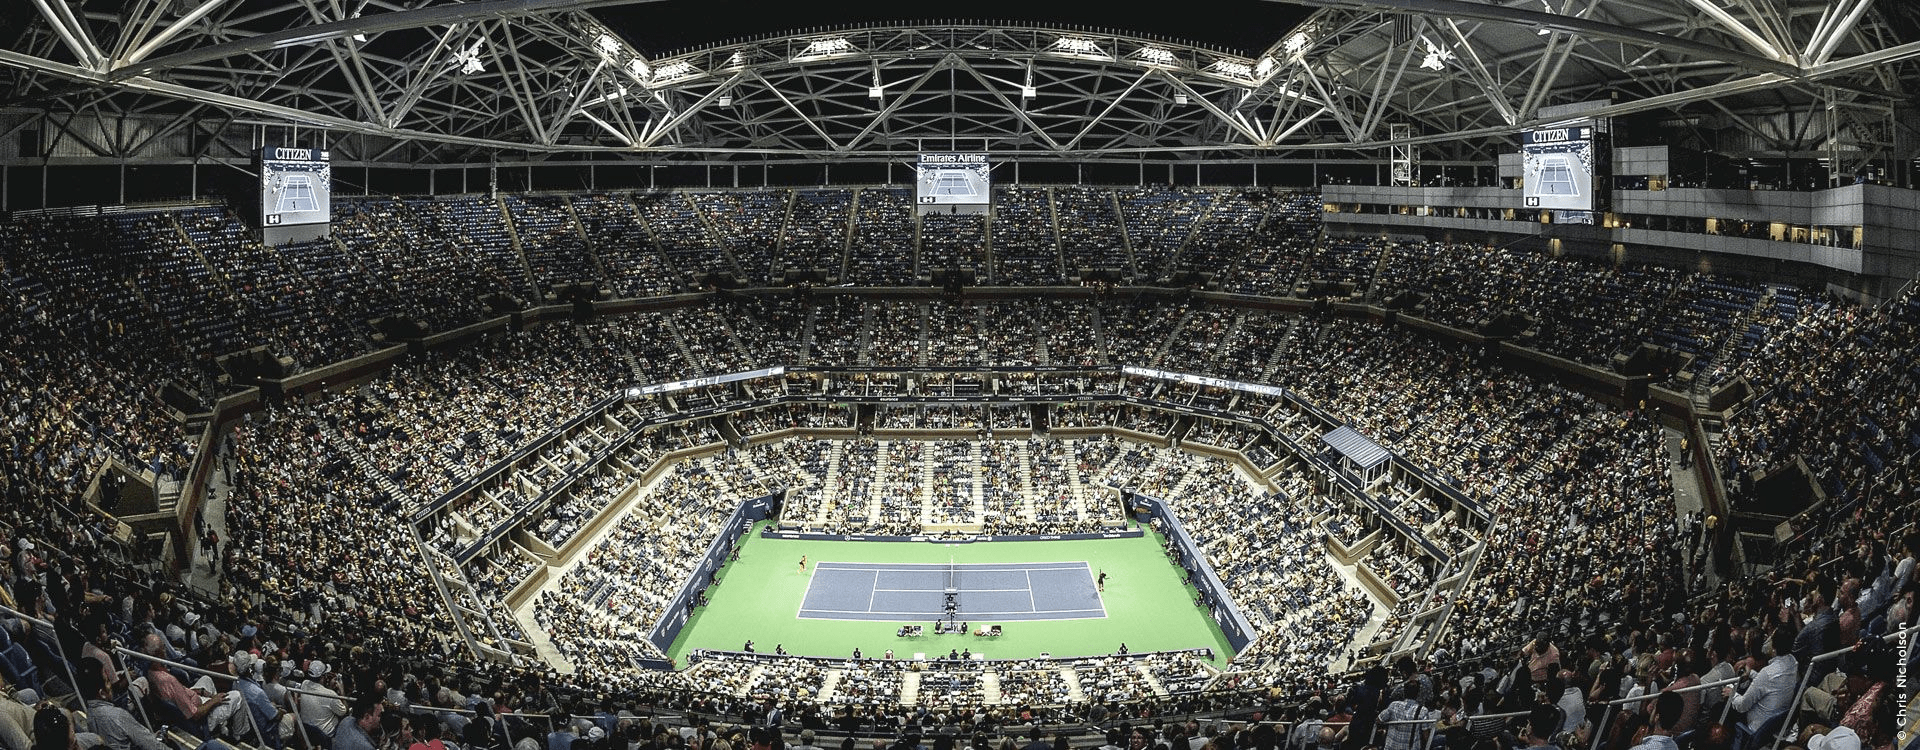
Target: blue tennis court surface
{"points": [[912, 592]]}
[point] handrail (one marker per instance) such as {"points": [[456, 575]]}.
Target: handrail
{"points": [[1606, 718], [258, 733], [1806, 674], [66, 662], [1657, 693]]}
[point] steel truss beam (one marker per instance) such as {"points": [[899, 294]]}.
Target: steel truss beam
{"points": [[545, 77]]}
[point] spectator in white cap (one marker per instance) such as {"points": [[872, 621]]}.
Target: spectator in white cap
{"points": [[321, 712], [261, 709], [1840, 738]]}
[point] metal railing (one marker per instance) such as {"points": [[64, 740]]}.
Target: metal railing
{"points": [[1606, 719], [66, 661]]}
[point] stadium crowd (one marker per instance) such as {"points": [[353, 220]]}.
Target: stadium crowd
{"points": [[322, 590]]}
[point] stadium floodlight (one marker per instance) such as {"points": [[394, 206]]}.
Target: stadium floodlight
{"points": [[607, 44], [1437, 56], [1262, 68], [1298, 43], [1179, 98], [1156, 56], [639, 69], [468, 59], [1232, 68], [673, 71], [1078, 46], [819, 48]]}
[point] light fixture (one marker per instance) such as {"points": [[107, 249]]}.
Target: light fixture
{"points": [[726, 101], [1078, 46], [607, 44], [1156, 55], [639, 69], [673, 70], [875, 92], [1297, 43], [1437, 56], [468, 59], [824, 47], [1232, 68], [1179, 98]]}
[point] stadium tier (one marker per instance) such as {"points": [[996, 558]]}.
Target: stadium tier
{"points": [[547, 506], [1440, 375]]}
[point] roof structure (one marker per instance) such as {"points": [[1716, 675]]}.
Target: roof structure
{"points": [[1353, 446], [435, 81]]}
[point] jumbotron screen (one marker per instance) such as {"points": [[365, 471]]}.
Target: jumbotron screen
{"points": [[296, 187], [1566, 168], [953, 179]]}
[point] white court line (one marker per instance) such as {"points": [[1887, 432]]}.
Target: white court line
{"points": [[962, 591], [1031, 602], [874, 593], [937, 614], [1057, 565]]}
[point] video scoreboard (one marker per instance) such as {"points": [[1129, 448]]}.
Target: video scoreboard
{"points": [[296, 187], [952, 179], [1567, 167]]}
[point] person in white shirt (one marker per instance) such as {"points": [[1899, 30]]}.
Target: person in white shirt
{"points": [[1771, 691], [322, 712]]}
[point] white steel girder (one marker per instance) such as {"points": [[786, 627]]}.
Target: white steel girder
{"points": [[545, 76]]}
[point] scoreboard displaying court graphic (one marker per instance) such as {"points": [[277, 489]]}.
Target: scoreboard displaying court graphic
{"points": [[952, 180], [1567, 168], [296, 187]]}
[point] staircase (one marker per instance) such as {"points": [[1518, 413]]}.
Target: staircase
{"points": [[846, 244], [519, 250], [1279, 349], [831, 685], [1042, 355], [1026, 488], [580, 230], [865, 340], [1193, 228], [909, 688], [990, 687], [714, 237], [1152, 682], [1126, 238], [834, 456], [1230, 340], [1053, 225], [986, 247], [978, 476], [1074, 693], [219, 277], [921, 347], [753, 678], [1166, 342], [804, 355], [924, 492], [680, 343], [1100, 337]]}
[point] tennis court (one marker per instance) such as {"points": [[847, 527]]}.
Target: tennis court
{"points": [[911, 592]]}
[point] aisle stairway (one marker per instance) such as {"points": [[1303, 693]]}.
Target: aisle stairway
{"points": [[831, 685], [909, 688], [1074, 693]]}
